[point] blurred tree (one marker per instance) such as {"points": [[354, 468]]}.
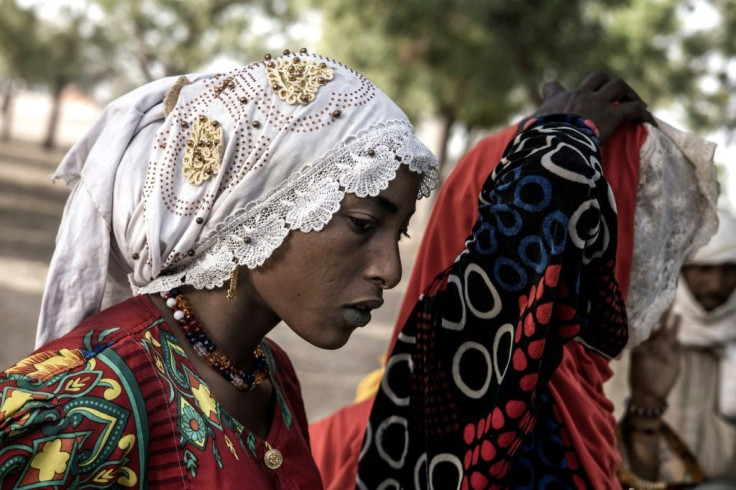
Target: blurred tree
{"points": [[165, 37], [675, 62], [480, 63], [76, 52], [51, 52], [19, 56]]}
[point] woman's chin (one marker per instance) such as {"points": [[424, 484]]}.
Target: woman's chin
{"points": [[331, 343], [328, 342]]}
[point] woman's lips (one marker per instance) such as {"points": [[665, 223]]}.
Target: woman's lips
{"points": [[357, 316]]}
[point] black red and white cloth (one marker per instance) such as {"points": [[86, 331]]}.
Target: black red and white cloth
{"points": [[464, 401]]}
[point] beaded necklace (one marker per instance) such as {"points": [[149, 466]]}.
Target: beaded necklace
{"points": [[203, 346]]}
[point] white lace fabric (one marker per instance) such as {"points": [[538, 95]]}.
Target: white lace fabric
{"points": [[675, 216], [363, 165]]}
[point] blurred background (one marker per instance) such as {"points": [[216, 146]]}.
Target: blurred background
{"points": [[461, 69]]}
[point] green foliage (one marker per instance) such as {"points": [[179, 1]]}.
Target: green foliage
{"points": [[21, 51], [157, 38], [69, 49], [482, 63]]}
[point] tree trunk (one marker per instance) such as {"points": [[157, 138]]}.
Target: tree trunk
{"points": [[7, 110], [49, 141], [447, 121]]}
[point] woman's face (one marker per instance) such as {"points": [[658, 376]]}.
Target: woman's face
{"points": [[325, 284]]}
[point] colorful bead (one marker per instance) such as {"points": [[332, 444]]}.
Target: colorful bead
{"points": [[207, 350]]}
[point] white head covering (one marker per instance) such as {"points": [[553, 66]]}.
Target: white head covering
{"points": [[714, 329], [219, 181]]}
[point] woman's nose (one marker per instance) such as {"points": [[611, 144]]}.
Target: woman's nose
{"points": [[385, 268]]}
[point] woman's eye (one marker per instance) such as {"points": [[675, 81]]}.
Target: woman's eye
{"points": [[361, 225], [404, 234]]}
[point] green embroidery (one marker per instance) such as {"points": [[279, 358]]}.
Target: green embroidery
{"points": [[130, 385], [285, 412], [110, 417], [216, 453], [251, 440], [191, 424], [190, 462], [172, 355], [89, 345]]}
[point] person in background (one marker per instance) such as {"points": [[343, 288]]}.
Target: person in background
{"points": [[682, 380]]}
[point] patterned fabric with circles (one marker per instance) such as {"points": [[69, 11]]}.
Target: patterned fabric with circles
{"points": [[464, 394]]}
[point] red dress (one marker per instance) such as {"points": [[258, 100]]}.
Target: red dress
{"points": [[117, 404]]}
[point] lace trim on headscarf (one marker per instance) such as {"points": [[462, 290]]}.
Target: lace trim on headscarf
{"points": [[363, 165]]}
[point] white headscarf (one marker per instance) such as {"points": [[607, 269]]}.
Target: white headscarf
{"points": [[183, 194], [714, 329]]}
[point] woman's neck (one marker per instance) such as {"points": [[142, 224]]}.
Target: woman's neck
{"points": [[236, 327]]}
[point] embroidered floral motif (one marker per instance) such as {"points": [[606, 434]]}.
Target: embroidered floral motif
{"points": [[296, 80], [191, 424], [314, 205], [203, 154], [363, 177]]}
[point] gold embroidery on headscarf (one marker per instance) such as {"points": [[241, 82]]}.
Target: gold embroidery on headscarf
{"points": [[173, 94], [204, 151], [296, 80]]}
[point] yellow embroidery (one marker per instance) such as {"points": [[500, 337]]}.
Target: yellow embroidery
{"points": [[114, 389], [203, 154], [296, 80], [159, 365], [152, 339], [50, 460], [44, 365], [205, 402], [75, 384], [127, 477], [232, 448], [14, 402], [104, 476]]}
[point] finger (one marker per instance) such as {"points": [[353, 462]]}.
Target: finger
{"points": [[648, 117], [631, 111], [551, 88], [619, 91], [594, 81]]}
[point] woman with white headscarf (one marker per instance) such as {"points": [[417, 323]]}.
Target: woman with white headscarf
{"points": [[215, 198]]}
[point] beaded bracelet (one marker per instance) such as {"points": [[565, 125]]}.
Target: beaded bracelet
{"points": [[650, 431], [646, 412]]}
